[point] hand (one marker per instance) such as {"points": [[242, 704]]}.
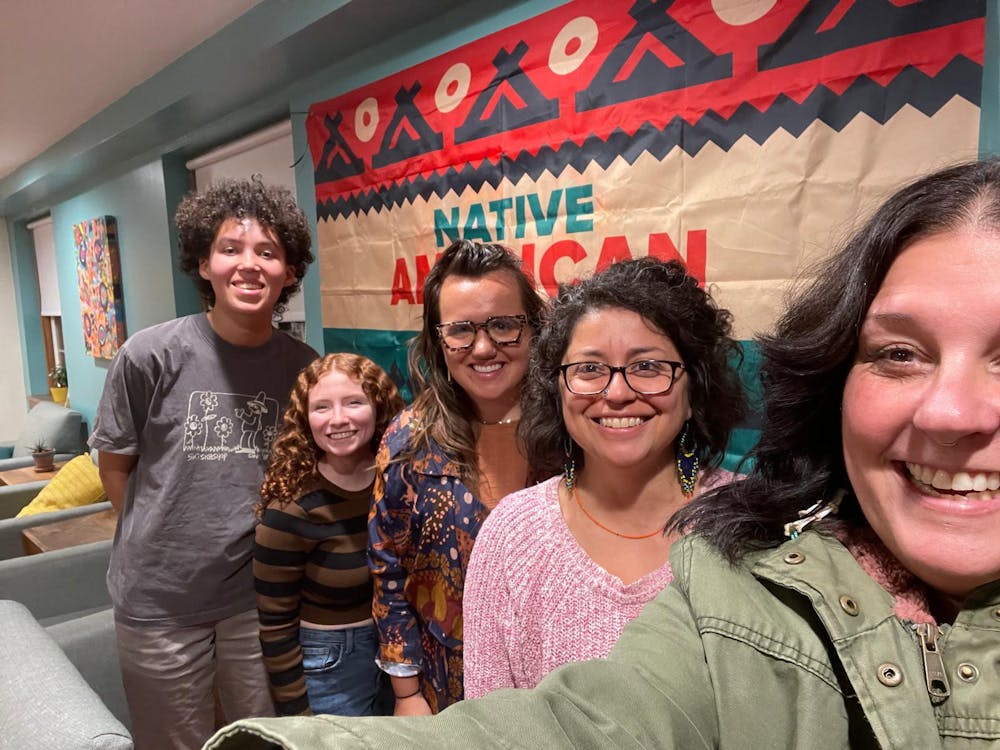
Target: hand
{"points": [[414, 705]]}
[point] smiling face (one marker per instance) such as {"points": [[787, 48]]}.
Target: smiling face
{"points": [[247, 270], [623, 429], [491, 375], [341, 418], [921, 411]]}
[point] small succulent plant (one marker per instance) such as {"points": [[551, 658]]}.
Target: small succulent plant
{"points": [[40, 446]]}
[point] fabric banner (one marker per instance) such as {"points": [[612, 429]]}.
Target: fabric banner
{"points": [[744, 137]]}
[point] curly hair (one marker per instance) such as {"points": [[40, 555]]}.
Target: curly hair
{"points": [[200, 215], [294, 456], [665, 296], [444, 408], [799, 458]]}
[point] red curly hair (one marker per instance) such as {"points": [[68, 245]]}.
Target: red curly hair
{"points": [[294, 456]]}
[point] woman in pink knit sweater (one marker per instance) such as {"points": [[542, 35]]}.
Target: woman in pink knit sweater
{"points": [[630, 392]]}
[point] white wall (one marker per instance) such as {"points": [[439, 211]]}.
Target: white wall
{"points": [[13, 405]]}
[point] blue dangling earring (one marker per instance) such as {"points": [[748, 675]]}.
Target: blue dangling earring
{"points": [[569, 465], [687, 462]]}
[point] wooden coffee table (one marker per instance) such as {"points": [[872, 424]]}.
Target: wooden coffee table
{"points": [[28, 474], [92, 527]]}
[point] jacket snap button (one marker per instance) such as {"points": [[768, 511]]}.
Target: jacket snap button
{"points": [[968, 672], [889, 674], [794, 558], [996, 614], [849, 605]]}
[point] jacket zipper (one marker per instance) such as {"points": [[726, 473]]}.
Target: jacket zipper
{"points": [[934, 673]]}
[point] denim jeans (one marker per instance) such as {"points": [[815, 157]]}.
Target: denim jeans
{"points": [[341, 675]]}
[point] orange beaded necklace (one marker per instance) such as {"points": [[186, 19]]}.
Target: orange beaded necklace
{"points": [[576, 497]]}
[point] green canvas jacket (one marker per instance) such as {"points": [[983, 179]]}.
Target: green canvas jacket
{"points": [[794, 648]]}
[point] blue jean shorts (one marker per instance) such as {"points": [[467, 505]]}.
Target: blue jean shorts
{"points": [[341, 675]]}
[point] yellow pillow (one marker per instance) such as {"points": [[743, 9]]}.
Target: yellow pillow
{"points": [[76, 483]]}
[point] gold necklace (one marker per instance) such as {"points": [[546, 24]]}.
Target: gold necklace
{"points": [[576, 497]]}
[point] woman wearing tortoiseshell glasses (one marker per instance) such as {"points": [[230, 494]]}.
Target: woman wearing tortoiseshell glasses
{"points": [[445, 461]]}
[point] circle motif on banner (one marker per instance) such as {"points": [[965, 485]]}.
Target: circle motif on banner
{"points": [[366, 119], [453, 87], [572, 44], [741, 12]]}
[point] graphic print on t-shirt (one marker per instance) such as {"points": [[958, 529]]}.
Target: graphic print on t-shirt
{"points": [[220, 424]]}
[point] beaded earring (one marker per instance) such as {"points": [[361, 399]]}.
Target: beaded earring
{"points": [[569, 465], [687, 462]]}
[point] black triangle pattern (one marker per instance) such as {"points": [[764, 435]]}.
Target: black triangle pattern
{"points": [[961, 77]]}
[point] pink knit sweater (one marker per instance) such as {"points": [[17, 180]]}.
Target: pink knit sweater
{"points": [[535, 600]]}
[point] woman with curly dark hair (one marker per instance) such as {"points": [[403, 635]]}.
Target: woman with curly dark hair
{"points": [[631, 396], [184, 426], [314, 591], [445, 461]]}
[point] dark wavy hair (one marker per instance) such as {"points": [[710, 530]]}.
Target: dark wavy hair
{"points": [[673, 303], [799, 458], [292, 464], [200, 215], [444, 411]]}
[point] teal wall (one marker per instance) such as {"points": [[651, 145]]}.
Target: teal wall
{"points": [[25, 278], [177, 184], [138, 202], [989, 119]]}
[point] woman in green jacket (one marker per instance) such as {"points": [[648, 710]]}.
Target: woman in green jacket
{"points": [[847, 593]]}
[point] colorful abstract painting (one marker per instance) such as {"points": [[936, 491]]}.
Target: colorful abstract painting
{"points": [[99, 275]]}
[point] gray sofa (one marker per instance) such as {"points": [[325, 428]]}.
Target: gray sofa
{"points": [[45, 702], [16, 496], [11, 544], [61, 604], [62, 430]]}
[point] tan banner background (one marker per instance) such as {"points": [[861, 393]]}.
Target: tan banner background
{"points": [[765, 210]]}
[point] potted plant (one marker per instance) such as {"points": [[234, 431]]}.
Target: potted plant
{"points": [[43, 456], [59, 384]]}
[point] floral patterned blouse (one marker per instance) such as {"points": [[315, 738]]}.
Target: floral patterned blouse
{"points": [[423, 523]]}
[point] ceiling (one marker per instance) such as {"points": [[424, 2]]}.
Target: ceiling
{"points": [[92, 89], [63, 61]]}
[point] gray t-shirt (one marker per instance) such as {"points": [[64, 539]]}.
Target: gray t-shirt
{"points": [[201, 414]]}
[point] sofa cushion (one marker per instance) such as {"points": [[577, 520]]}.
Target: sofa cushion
{"points": [[77, 483], [58, 426], [52, 584], [90, 643], [44, 701]]}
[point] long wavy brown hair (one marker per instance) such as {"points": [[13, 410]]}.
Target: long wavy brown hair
{"points": [[294, 456], [444, 413]]}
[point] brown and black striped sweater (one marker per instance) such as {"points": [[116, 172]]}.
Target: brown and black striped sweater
{"points": [[309, 563]]}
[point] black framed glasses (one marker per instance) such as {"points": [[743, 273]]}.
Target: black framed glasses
{"points": [[650, 377], [503, 330]]}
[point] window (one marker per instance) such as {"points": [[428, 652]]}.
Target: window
{"points": [[50, 310]]}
